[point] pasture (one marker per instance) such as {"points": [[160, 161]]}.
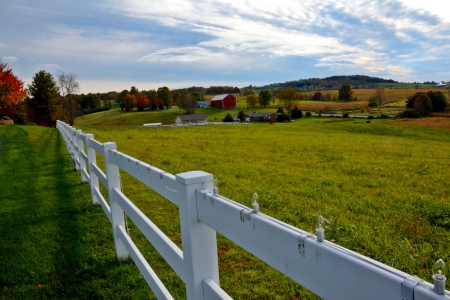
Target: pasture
{"points": [[383, 186]]}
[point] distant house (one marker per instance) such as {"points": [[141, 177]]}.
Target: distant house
{"points": [[203, 104], [224, 101], [265, 117], [188, 119]]}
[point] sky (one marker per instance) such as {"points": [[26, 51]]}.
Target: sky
{"points": [[112, 45]]}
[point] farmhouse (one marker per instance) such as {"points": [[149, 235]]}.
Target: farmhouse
{"points": [[188, 119], [224, 101], [265, 117]]}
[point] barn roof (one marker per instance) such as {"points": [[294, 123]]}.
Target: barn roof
{"points": [[220, 97], [192, 117]]}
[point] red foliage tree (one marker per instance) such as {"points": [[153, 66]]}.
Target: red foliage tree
{"points": [[12, 92], [317, 96], [129, 101], [142, 102]]}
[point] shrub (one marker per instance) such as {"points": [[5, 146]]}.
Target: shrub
{"points": [[283, 117], [280, 110], [308, 114], [228, 118], [6, 118], [408, 113], [296, 113], [372, 103], [345, 115], [370, 117]]}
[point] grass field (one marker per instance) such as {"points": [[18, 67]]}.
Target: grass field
{"points": [[384, 186], [54, 243]]}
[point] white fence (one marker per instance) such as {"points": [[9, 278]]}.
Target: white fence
{"points": [[326, 269]]}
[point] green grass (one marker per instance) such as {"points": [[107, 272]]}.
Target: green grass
{"points": [[54, 243], [385, 188]]}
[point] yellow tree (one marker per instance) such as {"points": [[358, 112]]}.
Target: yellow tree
{"points": [[288, 97], [252, 99]]}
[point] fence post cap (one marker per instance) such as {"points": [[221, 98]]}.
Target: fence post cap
{"points": [[193, 177]]}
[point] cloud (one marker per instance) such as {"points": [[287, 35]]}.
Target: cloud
{"points": [[180, 54], [9, 58]]}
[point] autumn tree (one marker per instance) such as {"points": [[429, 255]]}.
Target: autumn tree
{"points": [[345, 93], [12, 92], [44, 104], [438, 100], [252, 99], [287, 97], [128, 102], [423, 105], [142, 102], [264, 97], [68, 85]]}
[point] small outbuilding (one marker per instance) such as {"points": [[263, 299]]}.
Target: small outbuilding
{"points": [[189, 119], [224, 101], [265, 117]]}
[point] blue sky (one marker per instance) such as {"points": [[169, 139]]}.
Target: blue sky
{"points": [[113, 45]]}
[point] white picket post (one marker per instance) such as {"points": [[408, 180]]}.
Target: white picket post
{"points": [[92, 160], [199, 241], [117, 216], [82, 161]]}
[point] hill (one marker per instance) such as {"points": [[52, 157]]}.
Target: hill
{"points": [[328, 83]]}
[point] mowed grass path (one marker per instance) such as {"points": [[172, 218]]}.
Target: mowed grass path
{"points": [[54, 244]]}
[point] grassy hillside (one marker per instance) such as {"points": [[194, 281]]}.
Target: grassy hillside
{"points": [[385, 188]]}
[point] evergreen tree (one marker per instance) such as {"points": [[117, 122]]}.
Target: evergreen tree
{"points": [[44, 104]]}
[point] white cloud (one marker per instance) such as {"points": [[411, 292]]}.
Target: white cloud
{"points": [[9, 58], [180, 54]]}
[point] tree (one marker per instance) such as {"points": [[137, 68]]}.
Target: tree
{"points": [[438, 100], [252, 99], [423, 105], [129, 101], [142, 102], [241, 116], [68, 85], [228, 118], [288, 97], [12, 92], [296, 113], [264, 97], [165, 96], [188, 102], [134, 91], [44, 104], [345, 93], [317, 96], [381, 95]]}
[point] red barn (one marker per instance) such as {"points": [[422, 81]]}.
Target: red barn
{"points": [[224, 101]]}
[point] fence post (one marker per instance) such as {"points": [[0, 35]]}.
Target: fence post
{"points": [[92, 160], [81, 157], [74, 146], [199, 241], [117, 217]]}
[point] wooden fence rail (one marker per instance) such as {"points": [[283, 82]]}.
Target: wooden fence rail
{"points": [[326, 269]]}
